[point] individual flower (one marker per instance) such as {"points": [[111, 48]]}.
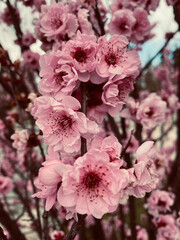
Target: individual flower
{"points": [[116, 93], [151, 111], [49, 180], [62, 125], [6, 185], [20, 138], [28, 39], [146, 178], [92, 185], [142, 233], [7, 17], [142, 27], [59, 77], [114, 59], [160, 201], [166, 228], [122, 22], [83, 54], [31, 59], [56, 20]]}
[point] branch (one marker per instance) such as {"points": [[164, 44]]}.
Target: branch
{"points": [[160, 51], [127, 145], [2, 236], [10, 225], [99, 19], [77, 225]]}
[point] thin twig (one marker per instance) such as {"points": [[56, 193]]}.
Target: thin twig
{"points": [[160, 51]]}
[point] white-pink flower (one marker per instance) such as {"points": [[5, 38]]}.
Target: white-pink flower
{"points": [[62, 125], [93, 184]]}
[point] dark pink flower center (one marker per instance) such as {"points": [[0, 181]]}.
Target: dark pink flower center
{"points": [[56, 22], [65, 122], [123, 26], [161, 203], [58, 236], [80, 55], [59, 77], [161, 224], [60, 124], [111, 58], [150, 112], [91, 180]]}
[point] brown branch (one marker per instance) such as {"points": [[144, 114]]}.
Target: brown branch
{"points": [[99, 19], [2, 236], [10, 225], [127, 145]]}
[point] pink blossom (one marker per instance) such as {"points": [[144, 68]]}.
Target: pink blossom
{"points": [[38, 4], [132, 5], [172, 101], [116, 93], [110, 54], [49, 180], [84, 25], [92, 186], [162, 73], [7, 17], [122, 22], [142, 27], [114, 59], [167, 228], [142, 234], [111, 146], [57, 235], [149, 114], [6, 185], [171, 2], [61, 124], [144, 170], [160, 201], [131, 110], [59, 77], [83, 52], [32, 96], [31, 60], [56, 20], [28, 39], [116, 5], [20, 138]]}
